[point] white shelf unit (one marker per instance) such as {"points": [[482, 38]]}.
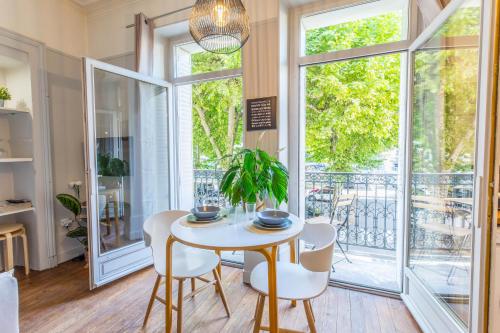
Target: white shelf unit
{"points": [[15, 160], [15, 209], [9, 111], [25, 149]]}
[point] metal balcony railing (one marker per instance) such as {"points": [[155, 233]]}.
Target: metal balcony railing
{"points": [[373, 216]]}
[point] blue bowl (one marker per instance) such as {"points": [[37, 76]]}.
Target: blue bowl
{"points": [[272, 217], [205, 212]]}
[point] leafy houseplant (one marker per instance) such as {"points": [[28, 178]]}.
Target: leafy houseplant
{"points": [[76, 227], [111, 166], [112, 170], [4, 95], [253, 176]]}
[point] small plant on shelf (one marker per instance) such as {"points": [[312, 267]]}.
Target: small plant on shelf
{"points": [[4, 95]]}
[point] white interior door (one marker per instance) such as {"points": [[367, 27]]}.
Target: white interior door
{"points": [[128, 159]]}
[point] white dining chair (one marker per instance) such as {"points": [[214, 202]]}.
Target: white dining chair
{"points": [[187, 263], [303, 281]]}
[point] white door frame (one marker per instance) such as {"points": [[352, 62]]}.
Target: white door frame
{"points": [[117, 263], [426, 309]]}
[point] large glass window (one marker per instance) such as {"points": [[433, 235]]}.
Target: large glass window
{"points": [[351, 164], [351, 154], [211, 122], [372, 23], [191, 59], [443, 142]]}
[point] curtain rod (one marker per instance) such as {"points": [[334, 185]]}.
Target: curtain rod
{"points": [[163, 15]]}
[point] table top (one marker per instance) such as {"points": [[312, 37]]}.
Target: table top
{"points": [[232, 237]]}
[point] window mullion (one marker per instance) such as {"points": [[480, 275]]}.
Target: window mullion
{"points": [[361, 52]]}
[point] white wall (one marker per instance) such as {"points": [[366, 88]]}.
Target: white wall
{"points": [[58, 23], [66, 121]]}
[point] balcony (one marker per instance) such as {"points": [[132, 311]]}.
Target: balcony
{"points": [[368, 228]]}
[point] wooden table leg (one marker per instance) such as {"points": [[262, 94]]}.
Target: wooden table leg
{"points": [[293, 259], [219, 269], [273, 292], [168, 286]]}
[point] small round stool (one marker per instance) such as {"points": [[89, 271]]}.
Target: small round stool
{"points": [[7, 233]]}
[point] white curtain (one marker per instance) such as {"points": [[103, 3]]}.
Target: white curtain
{"points": [[144, 44]]}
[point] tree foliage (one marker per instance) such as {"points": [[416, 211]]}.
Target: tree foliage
{"points": [[217, 109], [445, 96], [352, 107]]}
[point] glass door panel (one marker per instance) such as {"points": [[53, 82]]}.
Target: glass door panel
{"points": [[128, 165], [445, 72], [351, 161]]}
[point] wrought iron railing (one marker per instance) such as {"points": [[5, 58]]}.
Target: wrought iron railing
{"points": [[371, 220]]}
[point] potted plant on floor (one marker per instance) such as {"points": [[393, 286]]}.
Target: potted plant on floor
{"points": [[76, 226], [254, 177], [4, 96]]}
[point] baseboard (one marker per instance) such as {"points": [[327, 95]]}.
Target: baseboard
{"points": [[69, 254]]}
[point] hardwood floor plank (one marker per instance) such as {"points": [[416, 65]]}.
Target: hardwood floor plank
{"points": [[58, 300], [358, 319]]}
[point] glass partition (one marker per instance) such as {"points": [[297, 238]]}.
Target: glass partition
{"points": [[443, 145]]}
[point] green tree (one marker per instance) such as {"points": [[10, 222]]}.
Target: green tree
{"points": [[445, 96], [352, 107], [217, 109]]}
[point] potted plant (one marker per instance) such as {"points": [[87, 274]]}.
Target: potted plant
{"points": [[4, 96], [111, 170], [76, 226], [254, 176]]}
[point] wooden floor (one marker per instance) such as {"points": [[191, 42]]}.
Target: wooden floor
{"points": [[58, 300]]}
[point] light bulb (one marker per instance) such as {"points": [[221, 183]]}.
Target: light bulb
{"points": [[220, 14]]}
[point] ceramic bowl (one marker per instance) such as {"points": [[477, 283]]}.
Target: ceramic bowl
{"points": [[205, 212], [272, 217]]}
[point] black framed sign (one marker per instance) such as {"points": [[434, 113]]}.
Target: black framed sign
{"points": [[261, 113]]}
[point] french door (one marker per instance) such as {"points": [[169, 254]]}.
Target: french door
{"points": [[128, 165], [446, 190]]}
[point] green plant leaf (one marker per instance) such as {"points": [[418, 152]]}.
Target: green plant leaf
{"points": [[79, 232], [70, 202], [249, 162]]}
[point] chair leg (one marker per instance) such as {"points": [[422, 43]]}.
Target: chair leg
{"points": [[5, 257], [221, 292], [193, 285], [9, 250], [343, 252], [259, 310], [152, 299], [26, 255], [180, 298], [310, 316]]}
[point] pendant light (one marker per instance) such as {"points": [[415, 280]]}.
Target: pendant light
{"points": [[219, 26]]}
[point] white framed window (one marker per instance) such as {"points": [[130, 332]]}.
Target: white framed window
{"points": [[348, 111]]}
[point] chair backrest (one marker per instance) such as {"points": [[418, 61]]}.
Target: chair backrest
{"points": [[323, 237], [156, 232], [343, 200]]}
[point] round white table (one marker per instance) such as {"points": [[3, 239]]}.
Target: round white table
{"points": [[224, 236]]}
